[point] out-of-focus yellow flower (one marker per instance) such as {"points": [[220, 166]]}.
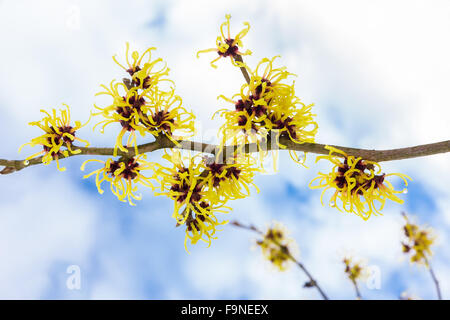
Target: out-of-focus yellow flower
{"points": [[406, 296], [276, 246], [58, 134], [123, 175], [144, 72], [418, 242], [355, 270], [357, 185], [227, 46]]}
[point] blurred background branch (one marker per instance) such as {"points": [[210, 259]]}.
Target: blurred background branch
{"points": [[282, 253]]}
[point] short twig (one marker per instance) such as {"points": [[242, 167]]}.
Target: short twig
{"points": [[311, 283]]}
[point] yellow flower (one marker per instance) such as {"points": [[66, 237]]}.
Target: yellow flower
{"points": [[276, 246], [201, 223], [270, 84], [144, 72], [166, 116], [230, 180], [58, 134], [127, 109], [246, 120], [146, 111], [246, 124], [356, 184], [123, 175], [182, 183], [227, 46], [292, 119], [253, 101], [200, 189], [189, 182], [354, 270], [418, 242], [268, 106]]}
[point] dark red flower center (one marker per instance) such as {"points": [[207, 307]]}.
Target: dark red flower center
{"points": [[231, 51], [135, 104], [182, 188], [284, 124], [57, 139], [259, 88], [130, 168], [216, 170], [361, 166], [192, 222], [162, 120], [132, 71]]}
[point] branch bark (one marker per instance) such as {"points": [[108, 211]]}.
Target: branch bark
{"points": [[163, 142]]}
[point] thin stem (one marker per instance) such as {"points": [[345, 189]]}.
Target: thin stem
{"points": [[435, 280], [163, 142], [436, 283], [312, 282], [358, 293], [243, 226], [244, 71]]}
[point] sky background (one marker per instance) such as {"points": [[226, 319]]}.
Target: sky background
{"points": [[379, 77]]}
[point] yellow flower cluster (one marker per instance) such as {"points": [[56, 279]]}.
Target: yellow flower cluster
{"points": [[144, 104], [418, 242], [230, 180], [123, 176], [226, 46], [268, 105], [57, 141], [266, 110], [354, 270], [200, 188], [358, 187], [276, 246]]}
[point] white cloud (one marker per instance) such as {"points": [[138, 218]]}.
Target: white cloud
{"points": [[41, 227]]}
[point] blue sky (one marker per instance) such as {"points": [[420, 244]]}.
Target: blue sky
{"points": [[377, 73]]}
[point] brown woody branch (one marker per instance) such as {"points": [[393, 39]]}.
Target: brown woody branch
{"points": [[163, 142]]}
